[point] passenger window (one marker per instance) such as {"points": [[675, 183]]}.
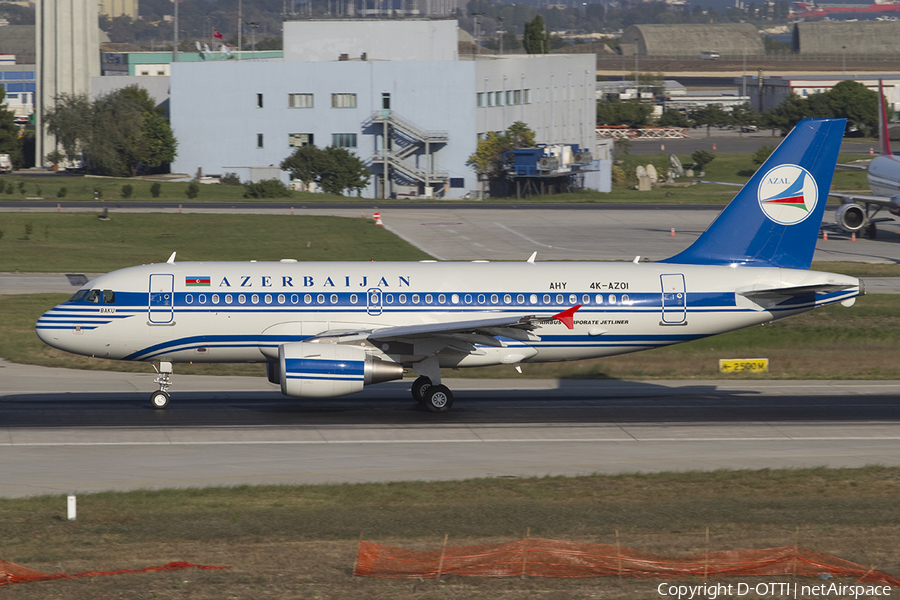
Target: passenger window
{"points": [[109, 297], [94, 296]]}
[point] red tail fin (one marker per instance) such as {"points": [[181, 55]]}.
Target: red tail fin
{"points": [[884, 139], [567, 317]]}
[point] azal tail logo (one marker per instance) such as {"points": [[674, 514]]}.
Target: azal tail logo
{"points": [[788, 194]]}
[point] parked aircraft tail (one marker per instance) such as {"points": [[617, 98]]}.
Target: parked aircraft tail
{"points": [[774, 220], [884, 140]]}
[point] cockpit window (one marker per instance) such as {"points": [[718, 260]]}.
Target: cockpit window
{"points": [[94, 296], [79, 295], [109, 297]]}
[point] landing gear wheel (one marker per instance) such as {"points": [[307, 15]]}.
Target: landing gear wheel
{"points": [[418, 389], [159, 399], [438, 398], [870, 231]]}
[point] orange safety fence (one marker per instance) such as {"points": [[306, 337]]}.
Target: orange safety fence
{"points": [[554, 558], [13, 573]]}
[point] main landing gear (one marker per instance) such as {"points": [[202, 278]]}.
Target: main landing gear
{"points": [[160, 398], [436, 398]]}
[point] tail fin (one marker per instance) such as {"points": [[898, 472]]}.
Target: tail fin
{"points": [[884, 139], [774, 220]]}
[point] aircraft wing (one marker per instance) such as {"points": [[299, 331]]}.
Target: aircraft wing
{"points": [[462, 335], [868, 199]]}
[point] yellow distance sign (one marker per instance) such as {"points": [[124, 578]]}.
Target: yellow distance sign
{"points": [[743, 365]]}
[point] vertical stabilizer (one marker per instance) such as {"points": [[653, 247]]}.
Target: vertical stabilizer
{"points": [[884, 140], [774, 220]]}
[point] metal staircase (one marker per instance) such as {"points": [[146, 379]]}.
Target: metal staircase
{"points": [[402, 141]]}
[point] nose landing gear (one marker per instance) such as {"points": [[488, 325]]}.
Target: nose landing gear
{"points": [[160, 398]]}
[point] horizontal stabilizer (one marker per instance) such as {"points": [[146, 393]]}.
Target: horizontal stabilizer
{"points": [[794, 290]]}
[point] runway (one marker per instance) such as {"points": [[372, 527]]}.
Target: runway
{"points": [[231, 430], [83, 431]]}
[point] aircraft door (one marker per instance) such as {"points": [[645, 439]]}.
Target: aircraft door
{"points": [[161, 304], [373, 301], [674, 299]]}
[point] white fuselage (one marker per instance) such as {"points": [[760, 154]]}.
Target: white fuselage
{"points": [[884, 175], [242, 312]]}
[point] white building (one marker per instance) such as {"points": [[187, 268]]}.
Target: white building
{"points": [[775, 90], [393, 91]]}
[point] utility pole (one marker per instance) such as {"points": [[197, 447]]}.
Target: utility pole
{"points": [[175, 43]]}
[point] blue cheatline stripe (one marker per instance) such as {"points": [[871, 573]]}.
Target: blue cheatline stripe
{"points": [[325, 377], [207, 341], [310, 367]]}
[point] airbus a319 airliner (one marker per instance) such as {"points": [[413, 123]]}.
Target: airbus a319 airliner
{"points": [[330, 328]]}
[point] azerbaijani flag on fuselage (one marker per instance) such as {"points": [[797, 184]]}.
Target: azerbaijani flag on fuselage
{"points": [[196, 281]]}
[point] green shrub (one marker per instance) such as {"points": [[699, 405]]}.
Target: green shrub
{"points": [[155, 189], [193, 190], [268, 188], [62, 192], [230, 179], [127, 190]]}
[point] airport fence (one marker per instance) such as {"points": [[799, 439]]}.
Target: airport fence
{"points": [[555, 558]]}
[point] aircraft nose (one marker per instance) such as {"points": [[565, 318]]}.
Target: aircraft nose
{"points": [[46, 330]]}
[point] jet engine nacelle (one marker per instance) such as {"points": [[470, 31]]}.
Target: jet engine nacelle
{"points": [[850, 217], [326, 370]]}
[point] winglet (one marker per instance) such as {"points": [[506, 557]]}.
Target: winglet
{"points": [[532, 257], [567, 317], [172, 258]]}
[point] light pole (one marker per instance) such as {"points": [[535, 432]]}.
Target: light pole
{"points": [[844, 60], [253, 25], [477, 47], [501, 33], [744, 72]]}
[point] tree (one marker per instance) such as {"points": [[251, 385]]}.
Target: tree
{"points": [[673, 118], [849, 100], [536, 39], [333, 169], [623, 112], [488, 157], [9, 132], [70, 122], [711, 115], [119, 134], [702, 158]]}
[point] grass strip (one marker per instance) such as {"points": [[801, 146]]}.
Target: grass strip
{"points": [[727, 167], [299, 541]]}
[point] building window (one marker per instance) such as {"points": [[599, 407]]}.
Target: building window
{"points": [[145, 73], [300, 101], [298, 140], [343, 140], [259, 101], [343, 101], [509, 98], [527, 96], [517, 97], [259, 140], [498, 98], [457, 182], [479, 99]]}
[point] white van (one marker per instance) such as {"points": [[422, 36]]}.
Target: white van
{"points": [[709, 55], [6, 165]]}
